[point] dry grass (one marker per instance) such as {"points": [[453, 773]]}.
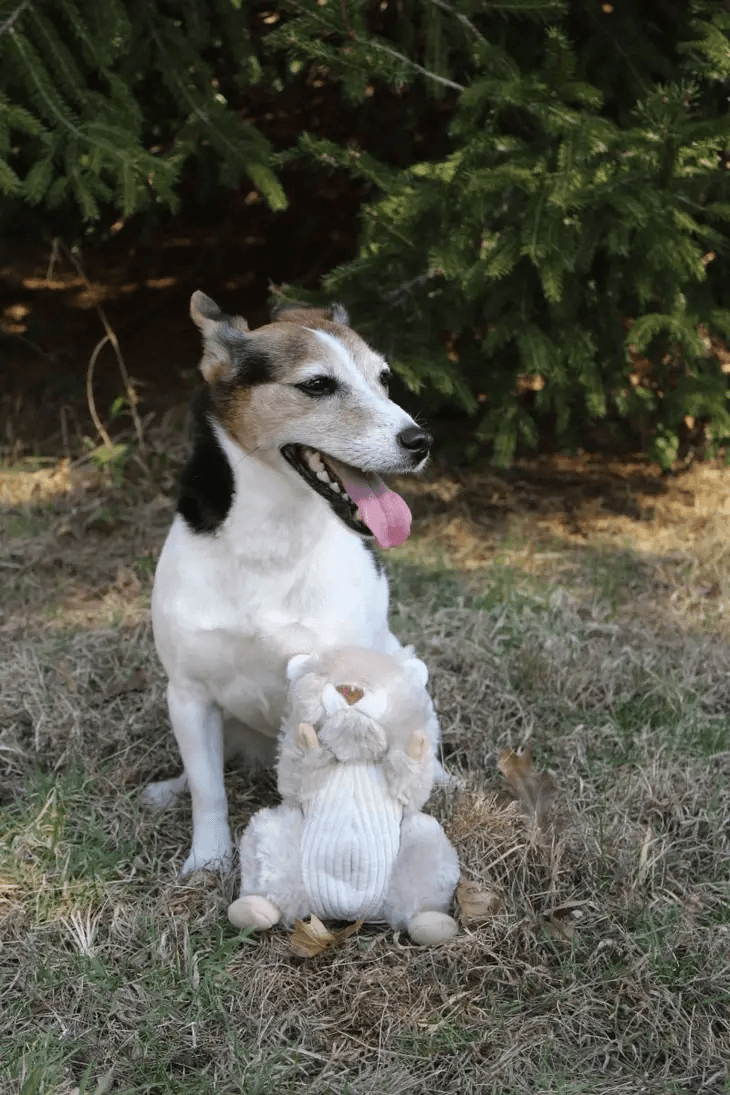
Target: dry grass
{"points": [[607, 968]]}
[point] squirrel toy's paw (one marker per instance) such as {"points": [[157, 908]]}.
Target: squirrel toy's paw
{"points": [[418, 747], [428, 928], [253, 912], [307, 736]]}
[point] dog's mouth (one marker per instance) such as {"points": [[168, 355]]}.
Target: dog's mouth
{"points": [[360, 499]]}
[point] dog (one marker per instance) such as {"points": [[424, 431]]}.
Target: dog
{"points": [[270, 553]]}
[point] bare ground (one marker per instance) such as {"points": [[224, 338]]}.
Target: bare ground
{"points": [[579, 606]]}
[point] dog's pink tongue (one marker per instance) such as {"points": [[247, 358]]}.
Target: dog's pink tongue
{"points": [[383, 511]]}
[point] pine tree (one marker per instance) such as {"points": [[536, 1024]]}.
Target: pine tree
{"points": [[103, 101], [560, 266], [571, 243]]}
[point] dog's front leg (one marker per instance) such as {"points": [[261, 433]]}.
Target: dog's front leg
{"points": [[197, 723]]}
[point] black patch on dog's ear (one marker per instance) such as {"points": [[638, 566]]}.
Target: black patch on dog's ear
{"points": [[207, 488], [252, 364]]}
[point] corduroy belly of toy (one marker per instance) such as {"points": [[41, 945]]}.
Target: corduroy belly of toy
{"points": [[350, 840]]}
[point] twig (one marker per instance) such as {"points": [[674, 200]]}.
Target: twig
{"points": [[27, 342], [52, 260], [395, 297], [462, 19], [7, 25], [64, 431], [414, 64], [381, 46], [112, 338], [90, 393], [345, 20]]}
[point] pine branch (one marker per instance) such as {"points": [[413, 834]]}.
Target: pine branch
{"points": [[8, 24], [466, 22], [375, 43]]}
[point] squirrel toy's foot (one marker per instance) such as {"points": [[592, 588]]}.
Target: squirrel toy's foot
{"points": [[428, 928], [253, 912]]}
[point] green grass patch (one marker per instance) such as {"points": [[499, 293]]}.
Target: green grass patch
{"points": [[605, 972]]}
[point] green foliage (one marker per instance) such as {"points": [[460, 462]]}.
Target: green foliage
{"points": [[560, 266], [579, 220], [102, 103]]}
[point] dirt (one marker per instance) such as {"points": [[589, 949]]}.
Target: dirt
{"points": [[50, 326]]}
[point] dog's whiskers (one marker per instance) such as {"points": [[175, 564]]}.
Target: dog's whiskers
{"points": [[246, 453]]}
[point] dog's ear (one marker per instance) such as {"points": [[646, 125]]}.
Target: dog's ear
{"points": [[225, 338], [339, 314]]}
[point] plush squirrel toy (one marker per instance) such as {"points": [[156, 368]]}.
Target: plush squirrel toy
{"points": [[349, 841]]}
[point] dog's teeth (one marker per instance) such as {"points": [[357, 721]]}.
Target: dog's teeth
{"points": [[336, 487], [315, 462], [323, 477]]}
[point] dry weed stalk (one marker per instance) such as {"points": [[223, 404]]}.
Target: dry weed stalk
{"points": [[110, 337]]}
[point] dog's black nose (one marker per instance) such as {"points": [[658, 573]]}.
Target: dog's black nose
{"points": [[416, 440]]}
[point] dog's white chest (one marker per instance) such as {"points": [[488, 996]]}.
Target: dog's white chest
{"points": [[350, 840], [233, 627]]}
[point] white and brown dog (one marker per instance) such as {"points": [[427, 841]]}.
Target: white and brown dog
{"points": [[269, 552]]}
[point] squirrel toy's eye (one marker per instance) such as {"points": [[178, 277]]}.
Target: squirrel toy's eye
{"points": [[318, 386]]}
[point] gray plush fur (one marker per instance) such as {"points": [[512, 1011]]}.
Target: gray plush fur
{"points": [[385, 732]]}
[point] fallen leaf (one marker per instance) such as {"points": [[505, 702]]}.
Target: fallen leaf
{"points": [[561, 928], [535, 790], [477, 905], [569, 908], [136, 683], [313, 938]]}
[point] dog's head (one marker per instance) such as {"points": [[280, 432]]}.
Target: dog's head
{"points": [[307, 390]]}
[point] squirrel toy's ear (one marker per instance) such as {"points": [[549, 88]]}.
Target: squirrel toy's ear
{"points": [[297, 665], [416, 670]]}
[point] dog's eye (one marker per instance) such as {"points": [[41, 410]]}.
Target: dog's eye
{"points": [[385, 378], [318, 385]]}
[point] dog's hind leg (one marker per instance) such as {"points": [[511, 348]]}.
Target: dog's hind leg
{"points": [[197, 723], [164, 793], [242, 745]]}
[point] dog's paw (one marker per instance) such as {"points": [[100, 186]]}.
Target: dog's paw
{"points": [[162, 795], [254, 912], [428, 928], [210, 855]]}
